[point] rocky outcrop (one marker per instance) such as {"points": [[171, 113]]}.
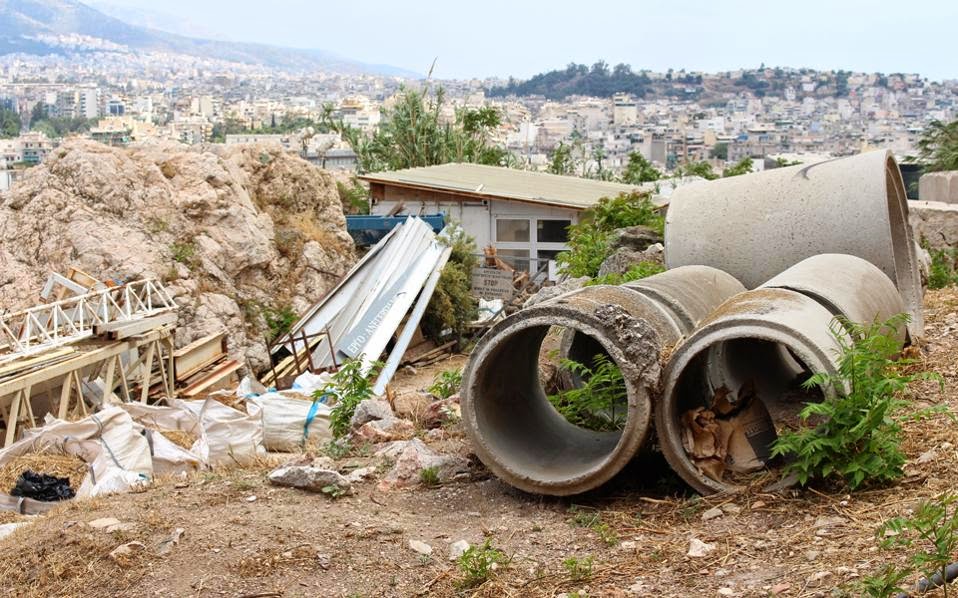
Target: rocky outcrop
{"points": [[235, 232]]}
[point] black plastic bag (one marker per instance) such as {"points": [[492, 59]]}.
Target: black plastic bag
{"points": [[40, 486]]}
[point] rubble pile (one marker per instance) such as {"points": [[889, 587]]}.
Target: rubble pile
{"points": [[234, 232]]}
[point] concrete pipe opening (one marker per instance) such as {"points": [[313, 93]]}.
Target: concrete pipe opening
{"points": [[522, 436], [738, 379]]}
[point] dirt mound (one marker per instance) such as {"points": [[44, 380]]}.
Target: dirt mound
{"points": [[237, 233]]}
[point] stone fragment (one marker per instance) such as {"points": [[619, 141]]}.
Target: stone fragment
{"points": [[698, 548], [420, 547], [306, 477]]}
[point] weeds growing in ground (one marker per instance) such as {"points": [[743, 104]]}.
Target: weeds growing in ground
{"points": [[578, 569], [477, 564], [944, 268], [429, 476], [184, 252], [446, 383], [592, 519], [599, 403], [863, 411]]}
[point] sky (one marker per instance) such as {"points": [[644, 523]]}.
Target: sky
{"points": [[520, 38]]}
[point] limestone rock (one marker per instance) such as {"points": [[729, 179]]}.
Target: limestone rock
{"points": [[412, 457], [624, 258], [384, 430], [307, 477], [232, 231], [635, 238], [441, 413], [370, 410], [546, 293]]}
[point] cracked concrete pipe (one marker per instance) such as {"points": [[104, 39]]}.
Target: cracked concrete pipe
{"points": [[516, 431], [758, 225], [760, 345]]}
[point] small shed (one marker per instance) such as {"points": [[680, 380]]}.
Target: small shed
{"points": [[523, 214]]}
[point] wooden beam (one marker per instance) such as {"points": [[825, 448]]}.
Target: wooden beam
{"points": [[122, 330], [199, 355], [212, 378]]}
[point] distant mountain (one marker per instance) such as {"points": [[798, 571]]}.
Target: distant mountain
{"points": [[39, 27]]}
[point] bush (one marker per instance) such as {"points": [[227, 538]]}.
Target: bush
{"points": [[351, 386], [943, 272], [859, 440], [594, 404], [635, 272], [590, 239], [446, 384], [184, 252], [279, 321], [452, 306]]}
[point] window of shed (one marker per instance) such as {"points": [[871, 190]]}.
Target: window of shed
{"points": [[510, 230], [552, 231]]}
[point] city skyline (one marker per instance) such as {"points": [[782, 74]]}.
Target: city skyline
{"points": [[532, 38]]}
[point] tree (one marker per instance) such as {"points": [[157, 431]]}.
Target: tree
{"points": [[562, 161], [720, 151], [38, 113], [639, 170], [938, 147], [412, 133], [702, 169], [743, 166], [9, 123]]}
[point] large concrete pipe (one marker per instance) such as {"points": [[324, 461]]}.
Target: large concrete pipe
{"points": [[758, 225], [514, 428], [738, 376]]}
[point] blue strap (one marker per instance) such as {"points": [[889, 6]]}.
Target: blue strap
{"points": [[313, 409]]}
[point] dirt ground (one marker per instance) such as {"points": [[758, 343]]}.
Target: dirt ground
{"points": [[244, 537]]}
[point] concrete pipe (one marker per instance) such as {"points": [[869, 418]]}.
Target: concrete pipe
{"points": [[738, 376], [513, 427], [758, 225]]}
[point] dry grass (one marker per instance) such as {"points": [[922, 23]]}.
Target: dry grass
{"points": [[11, 517], [56, 464], [180, 438]]}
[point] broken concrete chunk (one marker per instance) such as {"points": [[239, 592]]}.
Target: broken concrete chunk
{"points": [[384, 430], [371, 410], [698, 548], [420, 547], [127, 550], [306, 477], [167, 545]]}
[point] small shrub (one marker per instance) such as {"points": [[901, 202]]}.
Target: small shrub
{"points": [[429, 476], [859, 440], [333, 491], [337, 449], [635, 272], [600, 402], [578, 569], [477, 564], [354, 197], [351, 386], [592, 519], [933, 528], [446, 384], [156, 225], [184, 252], [279, 321]]}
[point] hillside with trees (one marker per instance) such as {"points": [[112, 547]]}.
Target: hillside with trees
{"points": [[578, 79]]}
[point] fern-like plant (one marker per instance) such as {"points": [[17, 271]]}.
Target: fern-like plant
{"points": [[351, 385], [599, 403], [860, 436]]}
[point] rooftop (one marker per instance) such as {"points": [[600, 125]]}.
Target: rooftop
{"points": [[493, 182]]}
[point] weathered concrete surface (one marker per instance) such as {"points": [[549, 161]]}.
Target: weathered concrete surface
{"points": [[939, 186], [757, 225], [934, 222], [514, 429]]}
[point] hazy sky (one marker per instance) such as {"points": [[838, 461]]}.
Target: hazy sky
{"points": [[520, 38]]}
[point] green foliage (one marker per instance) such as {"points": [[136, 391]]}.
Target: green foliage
{"points": [[9, 123], [337, 449], [351, 386], [60, 127], [354, 197], [887, 582], [938, 146], [184, 252], [702, 169], [639, 170], [590, 239], [782, 162], [413, 133], [579, 79], [578, 569], [859, 439], [562, 161], [429, 476], [720, 151], [600, 402], [452, 306], [635, 272], [743, 166], [446, 383], [477, 564], [592, 519], [333, 491], [943, 272], [933, 529], [279, 321]]}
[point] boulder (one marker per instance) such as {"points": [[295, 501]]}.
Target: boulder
{"points": [[370, 410], [442, 413], [635, 238], [384, 430], [624, 258], [546, 293], [412, 457]]}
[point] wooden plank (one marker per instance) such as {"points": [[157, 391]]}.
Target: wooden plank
{"points": [[12, 419], [198, 355], [212, 378]]}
